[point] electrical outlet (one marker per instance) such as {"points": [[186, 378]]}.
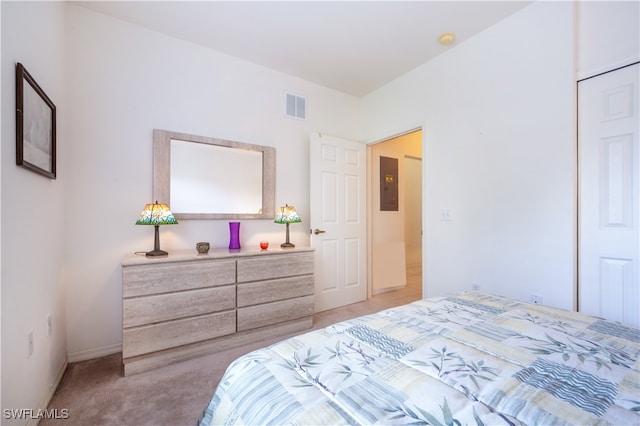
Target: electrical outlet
{"points": [[535, 298], [30, 338], [49, 325]]}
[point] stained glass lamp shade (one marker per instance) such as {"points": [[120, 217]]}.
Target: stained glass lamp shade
{"points": [[287, 215], [156, 214]]}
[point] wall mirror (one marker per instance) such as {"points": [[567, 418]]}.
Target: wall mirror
{"points": [[207, 178]]}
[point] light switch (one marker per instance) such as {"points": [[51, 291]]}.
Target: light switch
{"points": [[445, 214]]}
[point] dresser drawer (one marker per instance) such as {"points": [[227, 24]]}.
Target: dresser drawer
{"points": [[156, 337], [274, 266], [141, 280], [258, 292], [170, 306], [272, 313]]}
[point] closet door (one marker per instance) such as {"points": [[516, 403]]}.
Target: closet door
{"points": [[608, 197]]}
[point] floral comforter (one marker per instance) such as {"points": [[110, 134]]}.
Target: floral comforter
{"points": [[467, 359]]}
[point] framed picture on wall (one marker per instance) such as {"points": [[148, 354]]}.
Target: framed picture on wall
{"points": [[35, 126]]}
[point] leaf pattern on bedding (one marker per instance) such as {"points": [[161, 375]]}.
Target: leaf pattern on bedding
{"points": [[465, 360], [344, 359], [449, 313], [414, 415], [454, 365], [302, 366], [343, 351], [636, 405], [422, 417], [347, 372], [552, 323], [584, 352]]}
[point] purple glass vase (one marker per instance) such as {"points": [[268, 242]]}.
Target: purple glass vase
{"points": [[234, 235]]}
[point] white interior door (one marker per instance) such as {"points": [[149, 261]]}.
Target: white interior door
{"points": [[338, 220], [609, 236]]}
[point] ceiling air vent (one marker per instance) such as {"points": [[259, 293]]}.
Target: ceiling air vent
{"points": [[295, 106]]}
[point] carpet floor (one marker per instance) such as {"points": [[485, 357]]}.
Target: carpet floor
{"points": [[95, 393]]}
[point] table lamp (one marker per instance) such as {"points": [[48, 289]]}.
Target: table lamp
{"points": [[156, 214], [287, 215]]}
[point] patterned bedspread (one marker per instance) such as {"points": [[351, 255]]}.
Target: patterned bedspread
{"points": [[467, 359]]}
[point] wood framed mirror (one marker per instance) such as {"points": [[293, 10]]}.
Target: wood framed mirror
{"points": [[201, 177]]}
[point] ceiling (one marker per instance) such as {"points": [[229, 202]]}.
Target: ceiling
{"points": [[351, 46]]}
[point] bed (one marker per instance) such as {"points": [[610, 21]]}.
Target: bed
{"points": [[466, 359]]}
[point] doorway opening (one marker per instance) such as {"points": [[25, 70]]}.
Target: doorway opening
{"points": [[395, 218]]}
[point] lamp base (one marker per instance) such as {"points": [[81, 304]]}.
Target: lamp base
{"points": [[156, 244], [287, 244]]}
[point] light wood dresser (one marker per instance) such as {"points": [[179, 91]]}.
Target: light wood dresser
{"points": [[186, 305]]}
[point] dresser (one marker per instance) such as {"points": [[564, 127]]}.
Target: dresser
{"points": [[186, 304]]}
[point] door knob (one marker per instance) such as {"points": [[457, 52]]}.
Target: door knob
{"points": [[318, 231]]}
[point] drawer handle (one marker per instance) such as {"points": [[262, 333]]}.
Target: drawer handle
{"points": [[318, 231]]}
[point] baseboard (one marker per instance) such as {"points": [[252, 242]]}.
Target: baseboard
{"points": [[94, 353], [388, 289], [44, 401]]}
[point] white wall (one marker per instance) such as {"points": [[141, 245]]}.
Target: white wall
{"points": [[124, 81], [33, 217], [608, 35], [498, 124]]}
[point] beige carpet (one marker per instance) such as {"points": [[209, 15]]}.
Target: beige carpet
{"points": [[95, 393]]}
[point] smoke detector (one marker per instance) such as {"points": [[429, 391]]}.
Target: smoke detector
{"points": [[446, 39]]}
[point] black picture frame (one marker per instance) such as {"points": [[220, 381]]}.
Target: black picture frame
{"points": [[35, 126]]}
